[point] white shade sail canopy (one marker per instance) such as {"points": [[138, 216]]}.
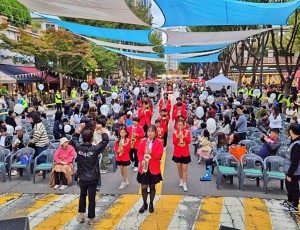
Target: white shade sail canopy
{"points": [[176, 38], [219, 81], [188, 55], [104, 10]]}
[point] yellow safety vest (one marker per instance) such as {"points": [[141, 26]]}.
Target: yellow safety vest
{"points": [[58, 99], [74, 93], [280, 98], [288, 101], [24, 103]]}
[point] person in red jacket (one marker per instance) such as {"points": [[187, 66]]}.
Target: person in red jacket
{"points": [[178, 111], [164, 123], [165, 103], [136, 133], [151, 175], [122, 148], [181, 118], [160, 132], [181, 155], [179, 99], [145, 115]]}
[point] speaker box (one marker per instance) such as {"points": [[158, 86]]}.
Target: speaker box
{"points": [[227, 228], [15, 224]]}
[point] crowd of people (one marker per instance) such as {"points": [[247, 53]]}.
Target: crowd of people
{"points": [[84, 131]]}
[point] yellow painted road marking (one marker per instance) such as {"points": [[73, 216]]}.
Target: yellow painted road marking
{"points": [[39, 203], [163, 213], [162, 170], [115, 213], [297, 218], [59, 219], [6, 198], [210, 213], [256, 214]]}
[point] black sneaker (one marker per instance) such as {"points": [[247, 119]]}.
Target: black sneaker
{"points": [[292, 209], [285, 203]]}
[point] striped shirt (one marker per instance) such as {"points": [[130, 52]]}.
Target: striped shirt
{"points": [[40, 137]]}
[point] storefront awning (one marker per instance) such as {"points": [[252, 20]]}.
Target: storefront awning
{"points": [[20, 75], [4, 79], [43, 77]]}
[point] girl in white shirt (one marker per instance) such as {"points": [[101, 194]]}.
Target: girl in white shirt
{"points": [[275, 119], [291, 111]]}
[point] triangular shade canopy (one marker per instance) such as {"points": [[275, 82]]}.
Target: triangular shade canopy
{"points": [[219, 81], [208, 58]]}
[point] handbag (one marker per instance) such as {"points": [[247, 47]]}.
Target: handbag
{"points": [[238, 151]]}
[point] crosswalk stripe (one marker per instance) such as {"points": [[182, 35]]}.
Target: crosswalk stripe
{"points": [[60, 218], [297, 218], [233, 213], [9, 197], [133, 218], [115, 213], [279, 218], [209, 214], [185, 213], [163, 213], [256, 214], [51, 208]]}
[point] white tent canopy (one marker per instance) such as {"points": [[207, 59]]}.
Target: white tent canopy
{"points": [[219, 81]]}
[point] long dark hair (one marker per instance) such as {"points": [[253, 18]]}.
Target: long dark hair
{"points": [[58, 115], [276, 111], [119, 138], [36, 118], [226, 121], [221, 140]]}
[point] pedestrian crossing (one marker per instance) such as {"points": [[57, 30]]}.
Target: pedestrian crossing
{"points": [[54, 211]]}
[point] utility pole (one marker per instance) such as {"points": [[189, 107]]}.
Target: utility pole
{"points": [[262, 60]]}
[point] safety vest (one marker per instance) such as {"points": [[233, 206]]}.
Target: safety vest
{"points": [[250, 92], [115, 89], [100, 90], [259, 97], [74, 94], [241, 90], [58, 99], [246, 91], [280, 98], [24, 103], [288, 101]]}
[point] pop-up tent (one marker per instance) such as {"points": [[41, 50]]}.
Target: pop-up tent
{"points": [[219, 81]]}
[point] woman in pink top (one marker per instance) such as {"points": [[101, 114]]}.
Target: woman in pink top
{"points": [[63, 167]]}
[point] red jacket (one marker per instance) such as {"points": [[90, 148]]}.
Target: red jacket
{"points": [[176, 112], [178, 150], [67, 155], [162, 133], [185, 126], [164, 123], [165, 105], [156, 154], [145, 116], [125, 156], [183, 106], [139, 131]]}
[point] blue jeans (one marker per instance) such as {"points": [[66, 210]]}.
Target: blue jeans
{"points": [[38, 151]]}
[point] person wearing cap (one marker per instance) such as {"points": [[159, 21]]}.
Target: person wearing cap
{"points": [[292, 170], [62, 170], [271, 144]]}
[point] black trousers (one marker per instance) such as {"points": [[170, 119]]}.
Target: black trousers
{"points": [[133, 157], [165, 139], [88, 188], [58, 106], [60, 176], [293, 190], [242, 136]]}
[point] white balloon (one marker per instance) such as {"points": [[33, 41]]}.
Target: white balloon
{"points": [[129, 113], [236, 103], [256, 92], [10, 129], [41, 86], [99, 81], [104, 109], [18, 108], [270, 100], [273, 96], [67, 128], [210, 99], [205, 93], [199, 112], [211, 125], [136, 91], [114, 95], [84, 86], [116, 108], [202, 97]]}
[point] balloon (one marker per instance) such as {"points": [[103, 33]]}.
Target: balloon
{"points": [[67, 128], [202, 97], [18, 108], [236, 103], [10, 129], [41, 86], [84, 86], [211, 125], [99, 81], [205, 93], [273, 96], [136, 91], [245, 96], [129, 113], [199, 112], [210, 99], [116, 108], [270, 100], [104, 109], [256, 92], [114, 95]]}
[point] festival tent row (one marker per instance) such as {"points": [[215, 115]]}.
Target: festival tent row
{"points": [[219, 81]]}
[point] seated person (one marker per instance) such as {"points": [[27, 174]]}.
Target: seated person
{"points": [[5, 139], [270, 145], [62, 169], [263, 123]]}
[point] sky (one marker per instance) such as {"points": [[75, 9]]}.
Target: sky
{"points": [[158, 18]]}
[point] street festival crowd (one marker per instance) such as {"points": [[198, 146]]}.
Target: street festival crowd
{"points": [[254, 133]]}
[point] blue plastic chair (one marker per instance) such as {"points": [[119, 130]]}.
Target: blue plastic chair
{"points": [[47, 166], [4, 153]]}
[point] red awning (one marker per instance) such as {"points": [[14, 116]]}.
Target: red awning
{"points": [[197, 80], [149, 81], [92, 81], [297, 75], [44, 76]]}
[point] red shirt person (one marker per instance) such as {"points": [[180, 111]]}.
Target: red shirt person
{"points": [[165, 103], [145, 115], [160, 132], [164, 123]]}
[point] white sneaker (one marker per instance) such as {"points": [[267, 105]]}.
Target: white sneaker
{"points": [[148, 189], [122, 186], [63, 187], [127, 182], [180, 183], [56, 186], [185, 188], [103, 171], [135, 169], [14, 173]]}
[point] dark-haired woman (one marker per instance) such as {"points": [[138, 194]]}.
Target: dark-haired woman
{"points": [[42, 109], [58, 131], [181, 155], [122, 148], [149, 154]]}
